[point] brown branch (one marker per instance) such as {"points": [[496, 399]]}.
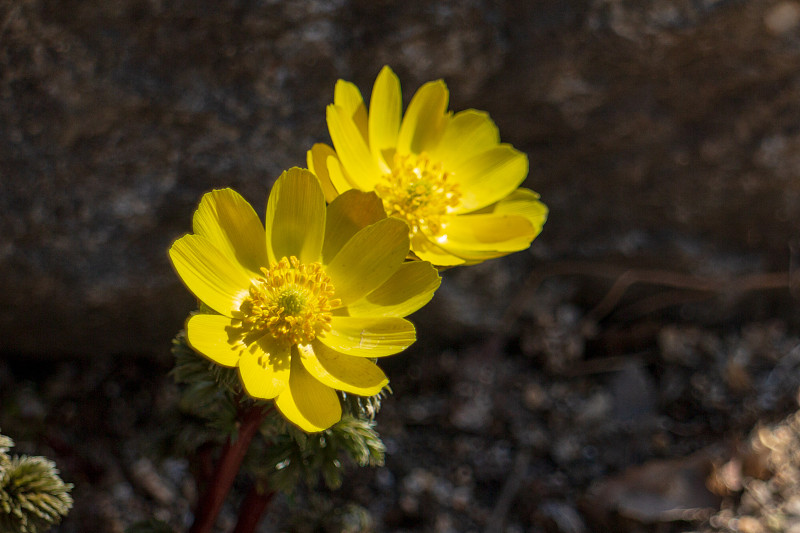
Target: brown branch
{"points": [[230, 461]]}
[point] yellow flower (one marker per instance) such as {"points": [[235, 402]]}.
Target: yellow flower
{"points": [[447, 175], [306, 303]]}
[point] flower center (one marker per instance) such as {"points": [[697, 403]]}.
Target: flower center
{"points": [[420, 191], [292, 302]]}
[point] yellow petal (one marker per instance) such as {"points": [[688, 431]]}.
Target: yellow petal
{"points": [[215, 337], [352, 149], [317, 161], [385, 110], [265, 368], [476, 238], [308, 403], [523, 202], [497, 231], [230, 223], [340, 179], [369, 337], [411, 287], [295, 221], [490, 176], [468, 133], [431, 252], [424, 121], [355, 375], [214, 277], [347, 96], [368, 259], [348, 214]]}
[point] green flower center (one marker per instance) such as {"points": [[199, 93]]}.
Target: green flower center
{"points": [[420, 191], [292, 302]]}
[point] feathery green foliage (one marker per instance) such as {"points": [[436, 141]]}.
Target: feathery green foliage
{"points": [[364, 407], [5, 444], [296, 456], [32, 495], [209, 392], [320, 514]]}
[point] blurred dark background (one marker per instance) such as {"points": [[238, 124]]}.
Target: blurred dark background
{"points": [[663, 133], [607, 379]]}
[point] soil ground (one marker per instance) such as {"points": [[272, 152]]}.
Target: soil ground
{"points": [[648, 410]]}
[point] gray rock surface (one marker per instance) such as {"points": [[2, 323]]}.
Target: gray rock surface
{"points": [[664, 131]]}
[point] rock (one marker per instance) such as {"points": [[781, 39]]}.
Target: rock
{"points": [[652, 134], [782, 18], [147, 477], [561, 517], [633, 398], [748, 524], [119, 115], [658, 491]]}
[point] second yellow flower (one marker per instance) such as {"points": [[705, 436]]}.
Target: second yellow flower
{"points": [[448, 176]]}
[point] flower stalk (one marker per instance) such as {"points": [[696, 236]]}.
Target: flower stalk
{"points": [[253, 507], [210, 503]]}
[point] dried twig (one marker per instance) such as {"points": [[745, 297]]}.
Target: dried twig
{"points": [[496, 522], [625, 278], [687, 282]]}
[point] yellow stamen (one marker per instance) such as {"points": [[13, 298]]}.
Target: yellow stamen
{"points": [[292, 303], [420, 191]]}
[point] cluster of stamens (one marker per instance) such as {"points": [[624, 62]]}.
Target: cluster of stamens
{"points": [[292, 302], [419, 191]]}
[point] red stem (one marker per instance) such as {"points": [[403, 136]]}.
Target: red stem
{"points": [[253, 506], [230, 460]]}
